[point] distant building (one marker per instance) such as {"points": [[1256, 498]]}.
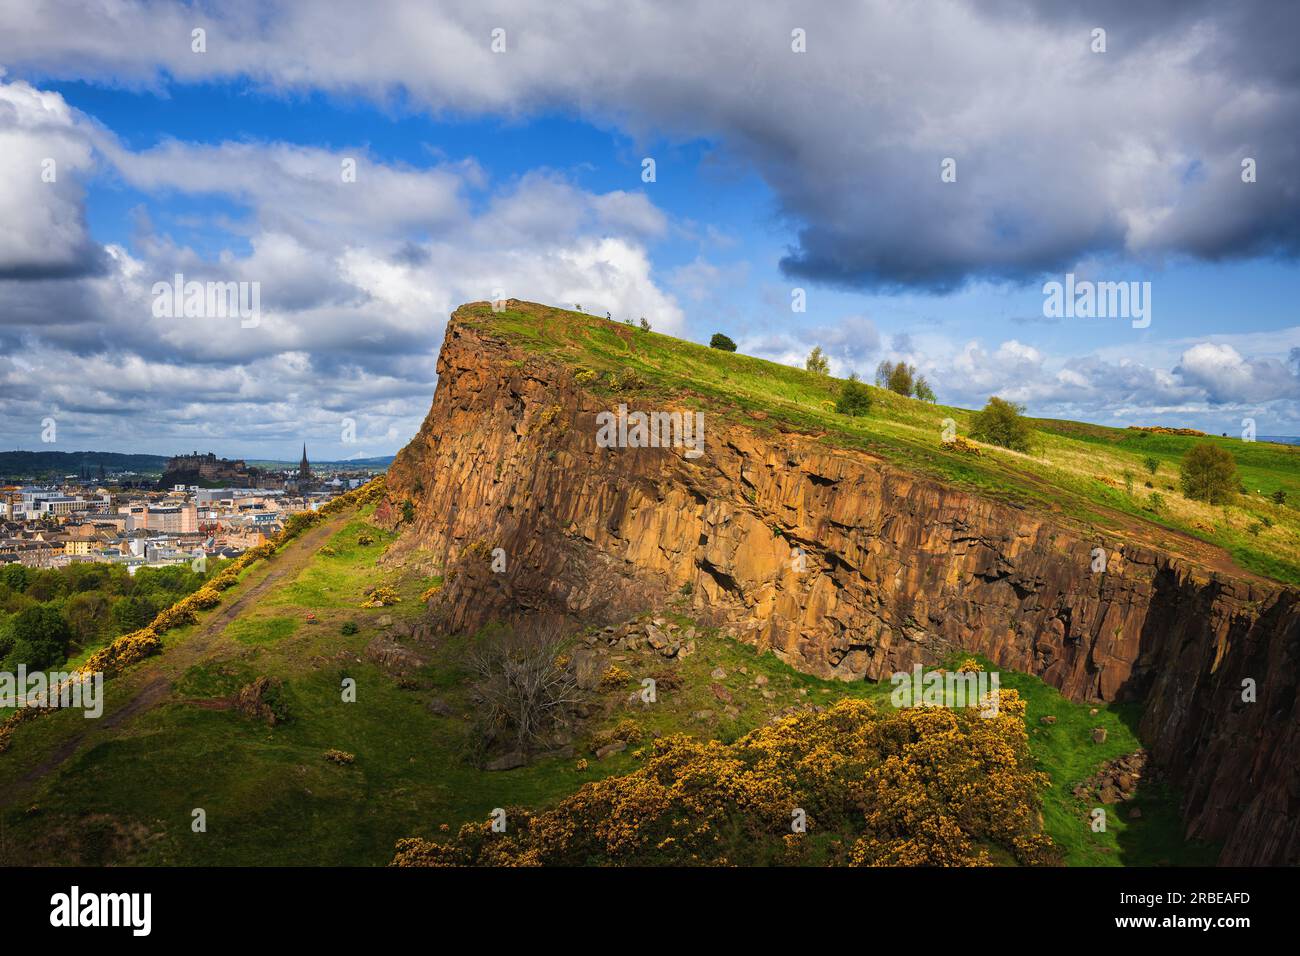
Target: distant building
{"points": [[209, 469], [304, 467]]}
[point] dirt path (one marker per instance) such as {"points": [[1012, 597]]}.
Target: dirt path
{"points": [[177, 659]]}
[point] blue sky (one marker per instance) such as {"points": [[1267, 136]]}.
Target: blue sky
{"points": [[775, 170]]}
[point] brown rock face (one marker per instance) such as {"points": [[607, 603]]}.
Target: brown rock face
{"points": [[847, 567]]}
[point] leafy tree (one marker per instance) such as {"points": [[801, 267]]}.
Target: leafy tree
{"points": [[1000, 423], [854, 399], [645, 326], [818, 362], [883, 371], [902, 379], [132, 613], [14, 576], [1279, 497], [6, 634], [1209, 473], [40, 637], [923, 390], [87, 576], [46, 585], [1152, 463], [723, 342], [87, 615]]}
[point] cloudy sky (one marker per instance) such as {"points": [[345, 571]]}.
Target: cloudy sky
{"points": [[793, 149]]}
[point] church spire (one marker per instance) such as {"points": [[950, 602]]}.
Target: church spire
{"points": [[304, 467]]}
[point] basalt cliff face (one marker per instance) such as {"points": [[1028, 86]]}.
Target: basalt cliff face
{"points": [[845, 567]]}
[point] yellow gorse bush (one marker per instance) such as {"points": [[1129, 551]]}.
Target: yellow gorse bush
{"points": [[900, 787], [381, 595], [126, 650]]}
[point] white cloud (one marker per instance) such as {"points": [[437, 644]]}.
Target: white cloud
{"points": [[42, 151], [356, 282]]}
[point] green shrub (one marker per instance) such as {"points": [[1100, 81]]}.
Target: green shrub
{"points": [[1209, 473], [854, 399], [1000, 423]]}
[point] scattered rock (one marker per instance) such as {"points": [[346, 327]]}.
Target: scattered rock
{"points": [[440, 707], [260, 700], [1099, 735], [721, 693], [1048, 720], [616, 747], [508, 761], [761, 680], [658, 640], [1117, 780], [588, 665], [1135, 813], [391, 656], [718, 674], [703, 715]]}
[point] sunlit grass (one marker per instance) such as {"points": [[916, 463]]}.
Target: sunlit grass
{"points": [[1076, 469]]}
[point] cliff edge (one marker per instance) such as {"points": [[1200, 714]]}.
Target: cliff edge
{"points": [[844, 565]]}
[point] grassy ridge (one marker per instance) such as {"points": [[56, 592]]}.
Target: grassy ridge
{"points": [[1077, 469]]}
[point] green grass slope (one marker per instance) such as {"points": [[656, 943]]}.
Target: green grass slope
{"points": [[124, 790], [1077, 470]]}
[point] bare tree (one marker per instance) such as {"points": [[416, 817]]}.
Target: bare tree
{"points": [[523, 685]]}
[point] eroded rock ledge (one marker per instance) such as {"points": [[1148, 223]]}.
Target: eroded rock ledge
{"points": [[897, 569]]}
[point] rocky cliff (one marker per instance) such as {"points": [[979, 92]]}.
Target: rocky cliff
{"points": [[846, 567]]}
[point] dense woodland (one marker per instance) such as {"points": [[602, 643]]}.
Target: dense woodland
{"points": [[50, 615]]}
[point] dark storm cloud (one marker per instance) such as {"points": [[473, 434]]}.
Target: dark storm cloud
{"points": [[1062, 153]]}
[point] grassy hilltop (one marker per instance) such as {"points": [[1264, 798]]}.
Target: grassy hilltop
{"points": [[1076, 470]]}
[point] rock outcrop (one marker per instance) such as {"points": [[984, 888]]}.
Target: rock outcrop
{"points": [[847, 567]]}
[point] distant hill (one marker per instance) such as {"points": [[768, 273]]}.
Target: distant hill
{"points": [[380, 461], [56, 464], [53, 464]]}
